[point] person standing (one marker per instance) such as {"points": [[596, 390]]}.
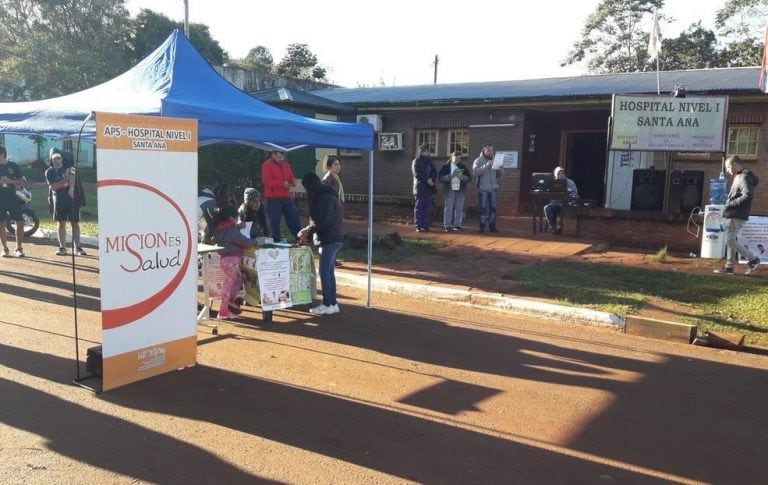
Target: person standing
{"points": [[278, 179], [487, 187], [332, 165], [11, 180], [67, 201], [555, 207], [454, 175], [738, 206], [325, 228], [424, 176]]}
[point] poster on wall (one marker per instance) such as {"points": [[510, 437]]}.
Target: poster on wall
{"points": [[147, 193], [754, 235]]}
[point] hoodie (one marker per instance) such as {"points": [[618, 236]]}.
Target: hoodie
{"points": [[324, 211], [739, 202]]}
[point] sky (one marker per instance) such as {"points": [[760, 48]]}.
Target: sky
{"points": [[394, 43]]}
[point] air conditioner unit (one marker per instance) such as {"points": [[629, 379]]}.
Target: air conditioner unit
{"points": [[390, 141], [374, 120]]}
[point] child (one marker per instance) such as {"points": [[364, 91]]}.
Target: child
{"points": [[252, 210], [227, 234]]}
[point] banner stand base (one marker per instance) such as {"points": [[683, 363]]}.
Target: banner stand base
{"points": [[96, 380]]}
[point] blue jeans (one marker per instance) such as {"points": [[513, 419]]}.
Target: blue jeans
{"points": [[488, 201], [551, 211], [328, 272], [276, 209]]}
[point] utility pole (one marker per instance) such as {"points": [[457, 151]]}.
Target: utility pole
{"points": [[186, 18], [436, 62]]}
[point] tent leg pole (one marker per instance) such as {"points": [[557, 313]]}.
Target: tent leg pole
{"points": [[368, 303]]}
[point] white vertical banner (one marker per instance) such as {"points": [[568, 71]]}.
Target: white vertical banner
{"points": [[147, 195]]}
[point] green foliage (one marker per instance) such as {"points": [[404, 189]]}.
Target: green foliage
{"points": [[731, 304], [152, 28], [258, 59], [660, 256], [298, 62], [236, 165], [52, 48], [613, 38]]}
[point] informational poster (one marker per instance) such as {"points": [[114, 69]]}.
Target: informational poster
{"points": [[666, 123], [301, 278], [147, 193], [505, 160], [754, 235], [273, 268], [214, 275]]}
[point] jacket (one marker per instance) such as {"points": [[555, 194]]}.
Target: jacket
{"points": [[228, 236], [444, 176], [487, 178], [325, 212], [738, 205], [273, 175], [422, 169]]}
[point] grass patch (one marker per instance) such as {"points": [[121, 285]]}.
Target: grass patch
{"points": [[409, 248], [661, 256], [728, 304]]}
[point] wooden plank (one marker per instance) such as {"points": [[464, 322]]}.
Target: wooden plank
{"points": [[723, 340], [659, 329]]}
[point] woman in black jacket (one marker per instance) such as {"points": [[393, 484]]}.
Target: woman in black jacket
{"points": [[325, 228]]}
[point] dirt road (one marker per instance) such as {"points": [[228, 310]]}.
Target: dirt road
{"points": [[410, 391]]}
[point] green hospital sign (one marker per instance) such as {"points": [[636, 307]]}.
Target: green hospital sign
{"points": [[664, 123]]}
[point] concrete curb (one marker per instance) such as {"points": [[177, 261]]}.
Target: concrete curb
{"points": [[485, 300]]}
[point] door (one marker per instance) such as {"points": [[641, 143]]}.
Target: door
{"points": [[583, 154]]}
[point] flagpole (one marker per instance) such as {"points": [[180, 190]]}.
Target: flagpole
{"points": [[658, 81]]}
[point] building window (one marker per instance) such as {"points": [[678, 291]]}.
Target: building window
{"points": [[68, 145], [742, 141], [458, 140], [428, 138]]}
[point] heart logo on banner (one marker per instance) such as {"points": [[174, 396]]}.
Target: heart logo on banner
{"points": [[273, 253]]}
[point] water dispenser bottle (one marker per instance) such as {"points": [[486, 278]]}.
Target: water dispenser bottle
{"points": [[717, 190]]}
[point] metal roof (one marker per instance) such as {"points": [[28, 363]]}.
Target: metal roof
{"points": [[295, 97], [713, 81]]}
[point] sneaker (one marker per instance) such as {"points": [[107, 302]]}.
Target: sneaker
{"points": [[235, 308], [752, 266], [61, 252], [447, 229], [319, 310], [724, 270], [6, 253], [333, 309], [225, 316], [80, 252], [458, 228], [19, 253]]}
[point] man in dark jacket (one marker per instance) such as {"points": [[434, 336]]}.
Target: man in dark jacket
{"points": [[736, 213], [424, 177], [325, 226]]}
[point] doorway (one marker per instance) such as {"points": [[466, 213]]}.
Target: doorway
{"points": [[583, 155]]}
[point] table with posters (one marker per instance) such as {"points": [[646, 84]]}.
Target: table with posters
{"points": [[274, 277]]}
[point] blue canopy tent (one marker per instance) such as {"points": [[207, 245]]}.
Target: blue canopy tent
{"points": [[176, 81]]}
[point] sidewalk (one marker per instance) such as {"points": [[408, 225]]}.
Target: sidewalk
{"points": [[462, 280]]}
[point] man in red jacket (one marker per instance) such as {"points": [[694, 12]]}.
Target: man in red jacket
{"points": [[278, 179]]}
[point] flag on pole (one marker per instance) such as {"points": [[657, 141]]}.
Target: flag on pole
{"points": [[654, 44], [763, 85]]}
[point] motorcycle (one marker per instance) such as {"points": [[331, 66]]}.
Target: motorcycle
{"points": [[31, 221]]}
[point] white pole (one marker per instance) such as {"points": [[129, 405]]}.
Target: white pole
{"points": [[658, 82], [186, 18], [368, 303]]}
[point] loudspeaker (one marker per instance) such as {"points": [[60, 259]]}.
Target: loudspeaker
{"points": [[648, 190], [685, 188], [93, 361]]}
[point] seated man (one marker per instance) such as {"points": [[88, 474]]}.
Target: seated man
{"points": [[554, 208]]}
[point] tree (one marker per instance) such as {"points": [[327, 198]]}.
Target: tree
{"points": [[298, 62], [52, 47], [613, 38], [152, 28], [695, 48], [259, 58], [742, 24]]}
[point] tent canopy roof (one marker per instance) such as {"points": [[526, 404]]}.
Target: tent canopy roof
{"points": [[176, 81]]}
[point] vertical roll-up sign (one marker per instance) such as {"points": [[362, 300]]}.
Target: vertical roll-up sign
{"points": [[147, 193]]}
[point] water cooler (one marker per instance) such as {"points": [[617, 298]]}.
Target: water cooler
{"points": [[713, 237]]}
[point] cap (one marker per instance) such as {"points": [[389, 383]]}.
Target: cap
{"points": [[250, 194], [55, 155], [558, 170]]}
